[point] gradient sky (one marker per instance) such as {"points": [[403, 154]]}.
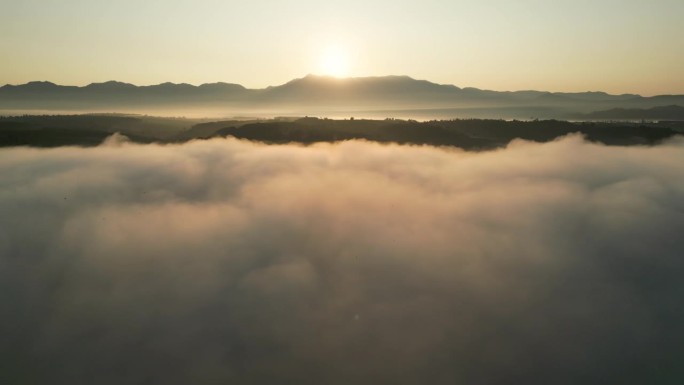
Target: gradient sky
{"points": [[619, 46]]}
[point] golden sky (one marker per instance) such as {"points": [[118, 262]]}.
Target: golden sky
{"points": [[619, 46]]}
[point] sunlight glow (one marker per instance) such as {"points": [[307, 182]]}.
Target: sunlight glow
{"points": [[334, 61]]}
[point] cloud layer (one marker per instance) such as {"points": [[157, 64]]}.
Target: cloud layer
{"points": [[230, 262]]}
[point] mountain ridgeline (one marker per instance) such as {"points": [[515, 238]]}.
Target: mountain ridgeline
{"points": [[393, 96]]}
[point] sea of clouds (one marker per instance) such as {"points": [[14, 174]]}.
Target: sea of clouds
{"points": [[225, 261]]}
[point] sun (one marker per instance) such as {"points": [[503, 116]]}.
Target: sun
{"points": [[334, 61]]}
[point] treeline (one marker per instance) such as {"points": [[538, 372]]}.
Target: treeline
{"points": [[467, 134], [471, 134]]}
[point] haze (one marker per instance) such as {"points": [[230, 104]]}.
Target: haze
{"points": [[225, 261], [341, 192], [625, 46]]}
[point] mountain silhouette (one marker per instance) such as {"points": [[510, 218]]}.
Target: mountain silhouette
{"points": [[321, 93], [110, 86]]}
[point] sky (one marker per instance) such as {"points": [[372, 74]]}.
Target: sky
{"points": [[618, 46]]}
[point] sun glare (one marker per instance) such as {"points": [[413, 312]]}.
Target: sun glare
{"points": [[334, 61]]}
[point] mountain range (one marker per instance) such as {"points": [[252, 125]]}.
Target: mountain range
{"points": [[385, 96]]}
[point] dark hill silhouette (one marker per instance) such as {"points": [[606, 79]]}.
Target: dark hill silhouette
{"points": [[473, 134], [316, 94], [672, 112], [110, 86], [375, 86], [222, 87], [469, 134]]}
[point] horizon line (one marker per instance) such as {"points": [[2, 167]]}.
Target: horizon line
{"points": [[338, 78]]}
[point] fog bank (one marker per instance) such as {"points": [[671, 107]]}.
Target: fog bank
{"points": [[225, 261]]}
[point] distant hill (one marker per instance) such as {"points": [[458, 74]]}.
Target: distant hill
{"points": [[672, 112], [471, 134], [319, 95]]}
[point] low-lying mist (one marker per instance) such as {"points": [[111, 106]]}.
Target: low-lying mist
{"points": [[224, 261]]}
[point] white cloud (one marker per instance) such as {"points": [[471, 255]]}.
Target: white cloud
{"points": [[224, 260]]}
